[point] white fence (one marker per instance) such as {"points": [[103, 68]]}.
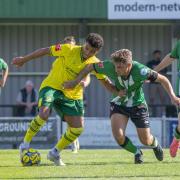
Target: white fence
{"points": [[97, 133]]}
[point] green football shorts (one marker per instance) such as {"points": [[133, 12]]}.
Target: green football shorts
{"points": [[54, 98]]}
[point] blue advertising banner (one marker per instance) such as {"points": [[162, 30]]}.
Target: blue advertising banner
{"points": [[12, 132]]}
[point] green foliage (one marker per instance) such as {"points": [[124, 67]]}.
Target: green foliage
{"points": [[91, 164]]}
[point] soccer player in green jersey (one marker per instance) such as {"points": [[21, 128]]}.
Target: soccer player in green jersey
{"points": [[4, 68], [168, 59], [129, 76], [70, 60]]}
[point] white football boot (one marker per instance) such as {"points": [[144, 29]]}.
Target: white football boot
{"points": [[23, 146], [55, 158]]}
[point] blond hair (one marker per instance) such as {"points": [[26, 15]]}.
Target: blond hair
{"points": [[122, 55]]}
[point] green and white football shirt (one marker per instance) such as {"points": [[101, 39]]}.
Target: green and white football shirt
{"points": [[133, 84], [3, 65], [175, 53]]}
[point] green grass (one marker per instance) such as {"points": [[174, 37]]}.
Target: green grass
{"points": [[91, 164]]}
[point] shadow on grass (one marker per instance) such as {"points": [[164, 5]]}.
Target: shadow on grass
{"points": [[102, 177], [97, 164], [27, 166]]}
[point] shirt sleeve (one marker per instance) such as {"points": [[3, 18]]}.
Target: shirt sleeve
{"points": [[174, 52], [147, 74], [99, 70], [4, 64], [59, 49], [99, 76], [100, 67]]}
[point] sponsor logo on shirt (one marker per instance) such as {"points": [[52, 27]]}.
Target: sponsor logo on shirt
{"points": [[100, 65]]}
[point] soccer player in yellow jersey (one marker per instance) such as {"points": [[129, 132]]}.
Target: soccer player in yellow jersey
{"points": [[75, 146], [70, 60]]}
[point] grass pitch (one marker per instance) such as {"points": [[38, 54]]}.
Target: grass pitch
{"points": [[91, 164]]}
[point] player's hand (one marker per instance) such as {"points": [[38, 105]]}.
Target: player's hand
{"points": [[122, 93], [83, 83], [176, 101], [18, 61], [69, 84], [2, 83], [147, 81]]}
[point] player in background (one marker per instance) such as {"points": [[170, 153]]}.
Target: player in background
{"points": [[70, 60], [129, 76], [168, 59], [5, 70], [75, 146]]}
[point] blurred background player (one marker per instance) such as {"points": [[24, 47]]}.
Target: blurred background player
{"points": [[155, 89], [4, 69], [67, 103], [168, 59], [129, 77], [27, 100], [75, 146]]}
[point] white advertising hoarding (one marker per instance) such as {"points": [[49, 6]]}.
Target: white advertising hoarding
{"points": [[144, 9], [97, 133]]}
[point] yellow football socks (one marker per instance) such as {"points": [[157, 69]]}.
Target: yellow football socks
{"points": [[68, 137], [34, 127]]}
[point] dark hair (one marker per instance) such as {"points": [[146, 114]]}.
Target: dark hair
{"points": [[156, 51], [95, 40], [68, 39]]}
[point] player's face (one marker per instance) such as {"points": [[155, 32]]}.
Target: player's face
{"points": [[88, 51], [121, 68]]}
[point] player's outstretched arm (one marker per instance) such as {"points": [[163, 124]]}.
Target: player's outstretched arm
{"points": [[20, 61], [164, 63], [109, 85], [4, 77], [112, 88], [167, 86], [82, 74]]}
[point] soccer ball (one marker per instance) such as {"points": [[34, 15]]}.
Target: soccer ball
{"points": [[31, 157]]}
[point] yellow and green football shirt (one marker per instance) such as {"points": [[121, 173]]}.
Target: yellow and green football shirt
{"points": [[66, 67]]}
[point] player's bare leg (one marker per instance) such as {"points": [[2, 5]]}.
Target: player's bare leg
{"points": [[119, 124], [148, 139]]}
